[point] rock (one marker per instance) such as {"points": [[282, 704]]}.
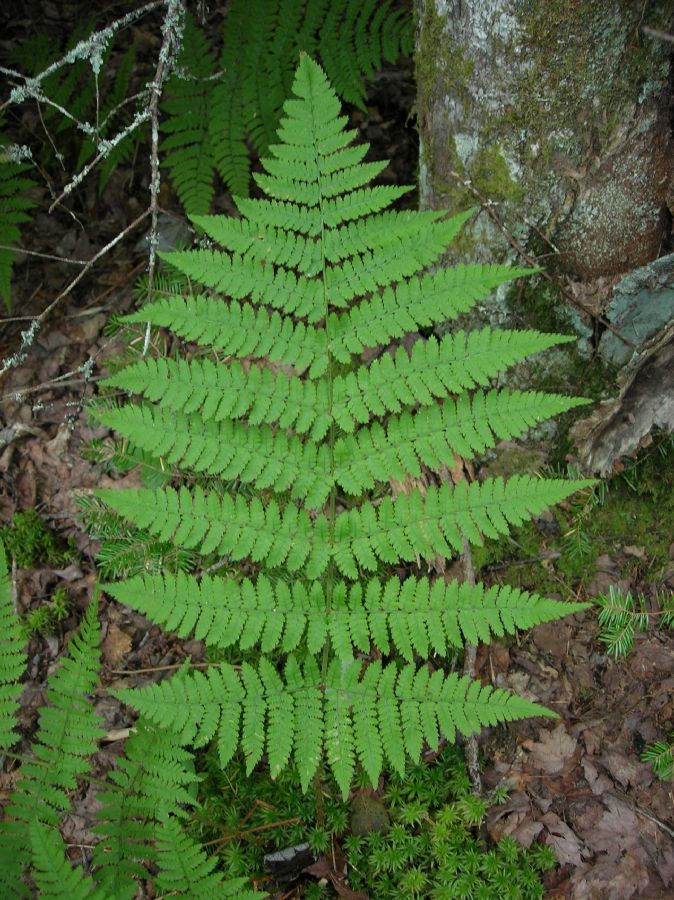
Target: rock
{"points": [[642, 304], [646, 401], [368, 814]]}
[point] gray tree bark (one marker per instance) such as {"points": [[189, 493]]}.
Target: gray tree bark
{"points": [[555, 118]]}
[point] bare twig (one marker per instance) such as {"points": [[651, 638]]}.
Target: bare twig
{"points": [[642, 812], [658, 35], [82, 50], [168, 668], [62, 259], [65, 380], [15, 592], [28, 336], [172, 30], [105, 148], [295, 820]]}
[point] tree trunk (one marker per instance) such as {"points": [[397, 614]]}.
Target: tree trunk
{"points": [[555, 118]]}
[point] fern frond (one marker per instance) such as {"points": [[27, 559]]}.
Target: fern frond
{"points": [[220, 392], [414, 616], [12, 658], [660, 755], [304, 281], [188, 113], [186, 871], [409, 705], [431, 436], [417, 303], [14, 212], [210, 522], [152, 778], [263, 39], [255, 455], [434, 435], [240, 276], [67, 736], [54, 875]]}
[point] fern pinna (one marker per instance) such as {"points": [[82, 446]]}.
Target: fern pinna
{"points": [[285, 440]]}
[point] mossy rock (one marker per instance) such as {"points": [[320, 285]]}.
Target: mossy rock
{"points": [[368, 814]]}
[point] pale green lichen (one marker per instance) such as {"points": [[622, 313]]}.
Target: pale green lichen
{"points": [[578, 67], [442, 67], [574, 77]]}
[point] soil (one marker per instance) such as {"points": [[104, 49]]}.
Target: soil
{"points": [[576, 783]]}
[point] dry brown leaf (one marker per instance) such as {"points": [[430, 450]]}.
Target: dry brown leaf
{"points": [[569, 849], [552, 750], [116, 645]]}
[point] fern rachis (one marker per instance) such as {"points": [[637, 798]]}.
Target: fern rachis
{"points": [[305, 281]]}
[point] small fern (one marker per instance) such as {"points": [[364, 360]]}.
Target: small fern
{"points": [[54, 876], [306, 280], [12, 658], [660, 755], [186, 871], [153, 778], [209, 118], [66, 738], [146, 795]]}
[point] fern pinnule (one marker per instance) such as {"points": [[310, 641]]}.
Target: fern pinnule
{"points": [[283, 440]]}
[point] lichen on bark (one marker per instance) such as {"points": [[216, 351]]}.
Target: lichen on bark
{"points": [[555, 111], [555, 118]]}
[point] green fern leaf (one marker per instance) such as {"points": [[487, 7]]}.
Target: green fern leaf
{"points": [[208, 119], [281, 418], [406, 528], [15, 204], [12, 658], [154, 776], [433, 370], [67, 736], [421, 707], [189, 159], [238, 329], [186, 871], [54, 876], [415, 615]]}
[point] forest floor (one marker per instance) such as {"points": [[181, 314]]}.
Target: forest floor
{"points": [[576, 783]]}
